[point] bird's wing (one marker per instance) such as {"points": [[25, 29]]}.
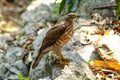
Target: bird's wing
{"points": [[53, 35]]}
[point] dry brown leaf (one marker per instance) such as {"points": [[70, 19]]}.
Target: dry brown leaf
{"points": [[110, 64], [116, 22], [117, 29], [99, 32]]}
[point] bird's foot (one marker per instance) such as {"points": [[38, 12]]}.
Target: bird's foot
{"points": [[64, 61]]}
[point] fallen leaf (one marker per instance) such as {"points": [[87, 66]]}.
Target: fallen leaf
{"points": [[110, 64]]}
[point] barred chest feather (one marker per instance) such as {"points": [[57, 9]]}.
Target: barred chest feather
{"points": [[66, 36]]}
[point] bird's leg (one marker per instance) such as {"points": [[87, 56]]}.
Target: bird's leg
{"points": [[61, 59], [64, 59]]}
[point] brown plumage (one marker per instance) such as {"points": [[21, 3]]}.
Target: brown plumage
{"points": [[56, 38]]}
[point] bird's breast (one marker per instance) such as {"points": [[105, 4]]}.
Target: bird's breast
{"points": [[65, 37]]}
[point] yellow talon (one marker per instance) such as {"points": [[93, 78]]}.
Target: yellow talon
{"points": [[62, 60], [65, 59]]}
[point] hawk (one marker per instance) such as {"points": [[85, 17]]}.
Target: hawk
{"points": [[56, 38]]}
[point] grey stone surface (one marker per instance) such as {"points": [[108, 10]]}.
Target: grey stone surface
{"points": [[39, 14], [3, 44], [77, 69], [20, 65], [13, 54], [12, 66], [86, 7]]}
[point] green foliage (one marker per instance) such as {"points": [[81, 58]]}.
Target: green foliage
{"points": [[118, 9], [71, 5], [56, 9], [21, 77], [90, 61], [20, 35], [30, 46]]}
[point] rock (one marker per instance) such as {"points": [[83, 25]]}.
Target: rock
{"points": [[12, 77], [4, 37], [13, 66], [30, 28], [3, 44], [22, 41], [12, 69], [76, 69], [3, 71], [84, 38], [8, 72], [20, 65], [108, 47], [14, 53], [2, 56], [38, 12], [87, 7]]}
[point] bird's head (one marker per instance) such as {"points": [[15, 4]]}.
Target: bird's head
{"points": [[71, 16]]}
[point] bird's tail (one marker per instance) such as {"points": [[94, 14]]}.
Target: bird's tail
{"points": [[37, 60]]}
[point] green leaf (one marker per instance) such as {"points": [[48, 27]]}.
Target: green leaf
{"points": [[21, 34], [71, 5], [30, 46], [18, 40], [56, 9], [19, 37], [25, 78], [118, 9], [74, 5], [68, 2], [20, 76], [62, 6], [56, 6], [55, 12], [90, 61]]}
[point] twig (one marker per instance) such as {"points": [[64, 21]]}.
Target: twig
{"points": [[105, 7], [111, 71]]}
